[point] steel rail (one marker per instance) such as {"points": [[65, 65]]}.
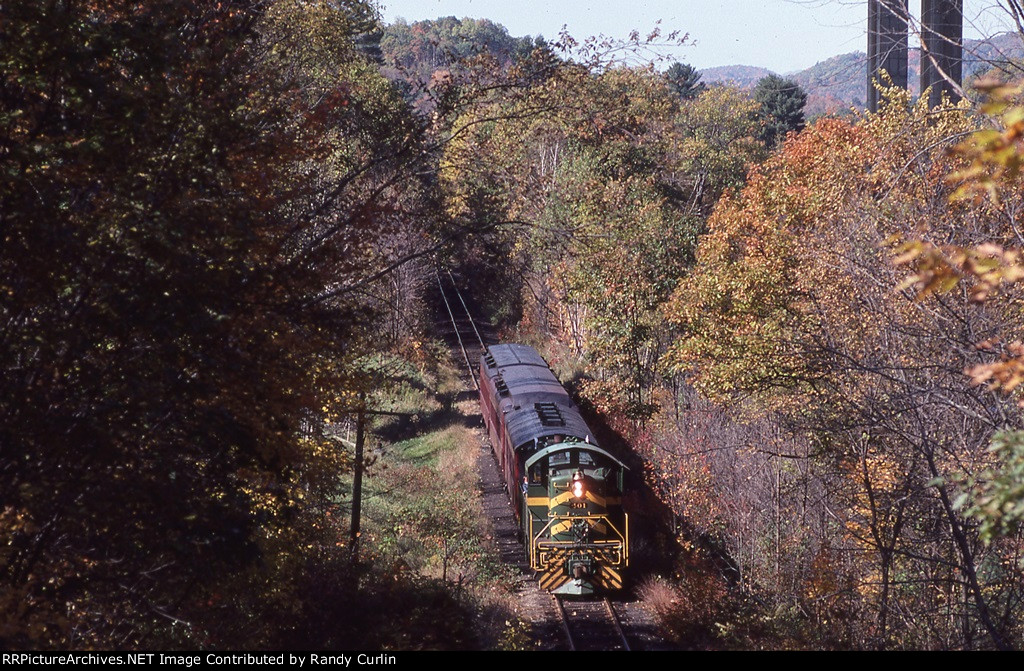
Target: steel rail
{"points": [[472, 322], [564, 619], [455, 326], [574, 644], [617, 623]]}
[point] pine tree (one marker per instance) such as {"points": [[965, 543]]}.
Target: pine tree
{"points": [[782, 108], [684, 79]]}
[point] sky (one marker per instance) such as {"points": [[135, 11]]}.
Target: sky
{"points": [[781, 35]]}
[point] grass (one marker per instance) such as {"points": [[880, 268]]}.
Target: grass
{"points": [[422, 518], [426, 449]]}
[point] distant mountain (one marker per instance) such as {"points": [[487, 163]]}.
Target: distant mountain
{"points": [[412, 53], [840, 83], [983, 55], [835, 84], [743, 76]]}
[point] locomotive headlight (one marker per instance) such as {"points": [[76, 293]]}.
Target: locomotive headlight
{"points": [[577, 485]]}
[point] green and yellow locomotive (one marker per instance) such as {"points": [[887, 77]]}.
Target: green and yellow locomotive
{"points": [[566, 490]]}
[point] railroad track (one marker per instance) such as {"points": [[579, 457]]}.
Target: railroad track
{"points": [[581, 625], [591, 625], [467, 332]]}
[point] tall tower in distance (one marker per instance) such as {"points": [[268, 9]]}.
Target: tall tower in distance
{"points": [[942, 30], [942, 48], [887, 44]]}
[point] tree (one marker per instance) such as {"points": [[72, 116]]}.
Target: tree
{"points": [[993, 497], [684, 79], [184, 212], [792, 307], [782, 108], [719, 143], [588, 165], [413, 53]]}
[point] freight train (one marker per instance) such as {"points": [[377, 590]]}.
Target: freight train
{"points": [[566, 490]]}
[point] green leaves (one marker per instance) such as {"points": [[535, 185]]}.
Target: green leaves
{"points": [[782, 108], [613, 176], [995, 496], [684, 79]]}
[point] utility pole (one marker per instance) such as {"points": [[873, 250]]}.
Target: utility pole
{"points": [[359, 467], [357, 480]]}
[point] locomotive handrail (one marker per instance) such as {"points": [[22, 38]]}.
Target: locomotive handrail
{"points": [[536, 542]]}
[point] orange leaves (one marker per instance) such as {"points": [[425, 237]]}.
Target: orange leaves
{"points": [[768, 248], [823, 579], [1006, 374]]}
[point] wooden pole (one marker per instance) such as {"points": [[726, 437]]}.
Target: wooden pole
{"points": [[357, 481]]}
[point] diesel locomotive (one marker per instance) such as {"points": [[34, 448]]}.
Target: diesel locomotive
{"points": [[565, 489]]}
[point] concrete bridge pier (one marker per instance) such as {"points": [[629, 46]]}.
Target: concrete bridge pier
{"points": [[942, 51], [942, 30], [887, 45]]}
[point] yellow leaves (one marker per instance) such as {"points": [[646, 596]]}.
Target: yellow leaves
{"points": [[940, 269], [883, 471], [995, 154]]}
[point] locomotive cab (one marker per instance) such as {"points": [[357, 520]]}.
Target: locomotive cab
{"points": [[576, 529]]}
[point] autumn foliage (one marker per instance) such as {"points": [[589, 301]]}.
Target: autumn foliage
{"points": [[218, 221], [181, 206], [796, 307]]}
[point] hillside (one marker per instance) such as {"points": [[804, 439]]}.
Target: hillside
{"points": [[835, 84], [840, 82], [412, 52], [744, 76]]}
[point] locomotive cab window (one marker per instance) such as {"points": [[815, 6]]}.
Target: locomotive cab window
{"points": [[538, 474], [570, 459], [560, 459], [595, 465]]}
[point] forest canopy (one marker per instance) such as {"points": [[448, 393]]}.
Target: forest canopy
{"points": [[221, 223]]}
